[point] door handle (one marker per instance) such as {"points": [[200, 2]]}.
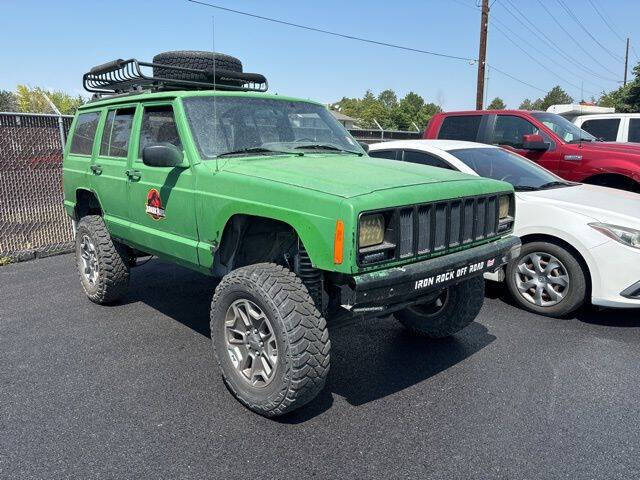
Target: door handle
{"points": [[134, 175], [96, 169]]}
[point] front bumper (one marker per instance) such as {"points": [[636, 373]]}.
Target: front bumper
{"points": [[384, 291], [615, 275]]}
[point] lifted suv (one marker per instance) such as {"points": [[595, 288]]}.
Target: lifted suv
{"points": [[272, 195]]}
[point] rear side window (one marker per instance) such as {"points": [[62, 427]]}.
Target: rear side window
{"points": [[463, 127], [388, 154], [425, 159], [634, 130], [84, 133], [117, 130], [604, 128], [158, 126]]}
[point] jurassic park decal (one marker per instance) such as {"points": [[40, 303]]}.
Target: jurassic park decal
{"points": [[154, 205]]}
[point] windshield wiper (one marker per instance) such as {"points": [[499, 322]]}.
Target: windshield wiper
{"points": [[579, 140], [524, 188], [555, 183], [324, 146], [250, 150]]}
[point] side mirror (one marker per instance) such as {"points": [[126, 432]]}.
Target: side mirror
{"points": [[365, 146], [534, 142], [162, 155]]}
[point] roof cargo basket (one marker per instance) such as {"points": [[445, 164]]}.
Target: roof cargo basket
{"points": [[127, 76]]}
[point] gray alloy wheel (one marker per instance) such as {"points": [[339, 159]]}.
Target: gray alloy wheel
{"points": [[89, 259], [548, 278], [542, 279], [251, 342]]}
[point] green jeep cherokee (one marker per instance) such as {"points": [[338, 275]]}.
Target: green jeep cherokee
{"points": [[195, 164]]}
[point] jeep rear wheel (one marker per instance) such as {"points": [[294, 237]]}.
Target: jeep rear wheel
{"points": [[103, 264], [270, 341], [455, 308]]}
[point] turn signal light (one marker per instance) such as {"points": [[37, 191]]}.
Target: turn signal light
{"points": [[338, 243]]}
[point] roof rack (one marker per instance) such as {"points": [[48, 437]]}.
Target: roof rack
{"points": [[126, 76]]}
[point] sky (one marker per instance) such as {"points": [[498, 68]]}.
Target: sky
{"points": [[51, 44]]}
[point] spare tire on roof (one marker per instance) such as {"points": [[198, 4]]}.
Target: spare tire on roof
{"points": [[195, 59]]}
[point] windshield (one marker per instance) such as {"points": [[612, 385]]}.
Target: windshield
{"points": [[507, 166], [564, 128], [252, 126]]}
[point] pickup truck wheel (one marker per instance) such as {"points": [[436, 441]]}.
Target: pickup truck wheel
{"points": [[270, 341], [546, 279], [103, 264], [455, 308]]}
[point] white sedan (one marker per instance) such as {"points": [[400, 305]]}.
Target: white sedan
{"points": [[579, 242]]}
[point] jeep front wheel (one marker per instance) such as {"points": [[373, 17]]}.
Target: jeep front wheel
{"points": [[103, 263], [455, 308], [270, 341]]}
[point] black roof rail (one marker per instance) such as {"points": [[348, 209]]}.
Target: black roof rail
{"points": [[126, 76]]}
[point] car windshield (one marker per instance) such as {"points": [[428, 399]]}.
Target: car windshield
{"points": [[564, 128], [244, 126], [510, 167]]}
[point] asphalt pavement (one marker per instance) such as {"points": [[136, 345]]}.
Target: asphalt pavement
{"points": [[131, 391]]}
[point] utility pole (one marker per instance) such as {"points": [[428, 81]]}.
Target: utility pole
{"points": [[482, 55], [626, 62]]}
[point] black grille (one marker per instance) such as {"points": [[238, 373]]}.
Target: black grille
{"points": [[437, 227]]}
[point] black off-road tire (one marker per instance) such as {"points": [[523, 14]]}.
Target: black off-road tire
{"points": [[572, 300], [301, 335], [112, 262], [460, 307], [195, 59]]}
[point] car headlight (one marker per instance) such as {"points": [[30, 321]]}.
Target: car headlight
{"points": [[371, 230], [624, 235]]}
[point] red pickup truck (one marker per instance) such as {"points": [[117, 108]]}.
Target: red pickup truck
{"points": [[548, 139]]}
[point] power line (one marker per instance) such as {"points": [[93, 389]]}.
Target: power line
{"points": [[375, 42], [605, 21], [493, 67], [335, 34], [541, 35], [537, 61], [535, 48], [586, 30], [553, 17]]}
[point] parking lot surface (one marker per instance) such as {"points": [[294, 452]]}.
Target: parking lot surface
{"points": [[131, 391]]}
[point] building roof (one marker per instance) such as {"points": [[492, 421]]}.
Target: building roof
{"points": [[342, 116]]}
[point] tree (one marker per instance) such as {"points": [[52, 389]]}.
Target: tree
{"points": [[526, 105], [390, 113], [8, 101], [556, 96], [632, 93], [497, 104], [388, 99], [32, 100]]}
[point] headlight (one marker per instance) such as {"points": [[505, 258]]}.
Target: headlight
{"points": [[624, 235], [505, 206], [371, 230]]}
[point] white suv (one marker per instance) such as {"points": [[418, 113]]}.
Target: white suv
{"points": [[611, 127]]}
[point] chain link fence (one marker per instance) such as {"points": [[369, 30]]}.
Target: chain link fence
{"points": [[32, 219]]}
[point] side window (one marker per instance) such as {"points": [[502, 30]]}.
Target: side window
{"points": [[158, 126], [388, 154], [604, 128], [84, 133], [117, 130], [425, 159], [634, 130], [464, 127], [509, 130]]}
